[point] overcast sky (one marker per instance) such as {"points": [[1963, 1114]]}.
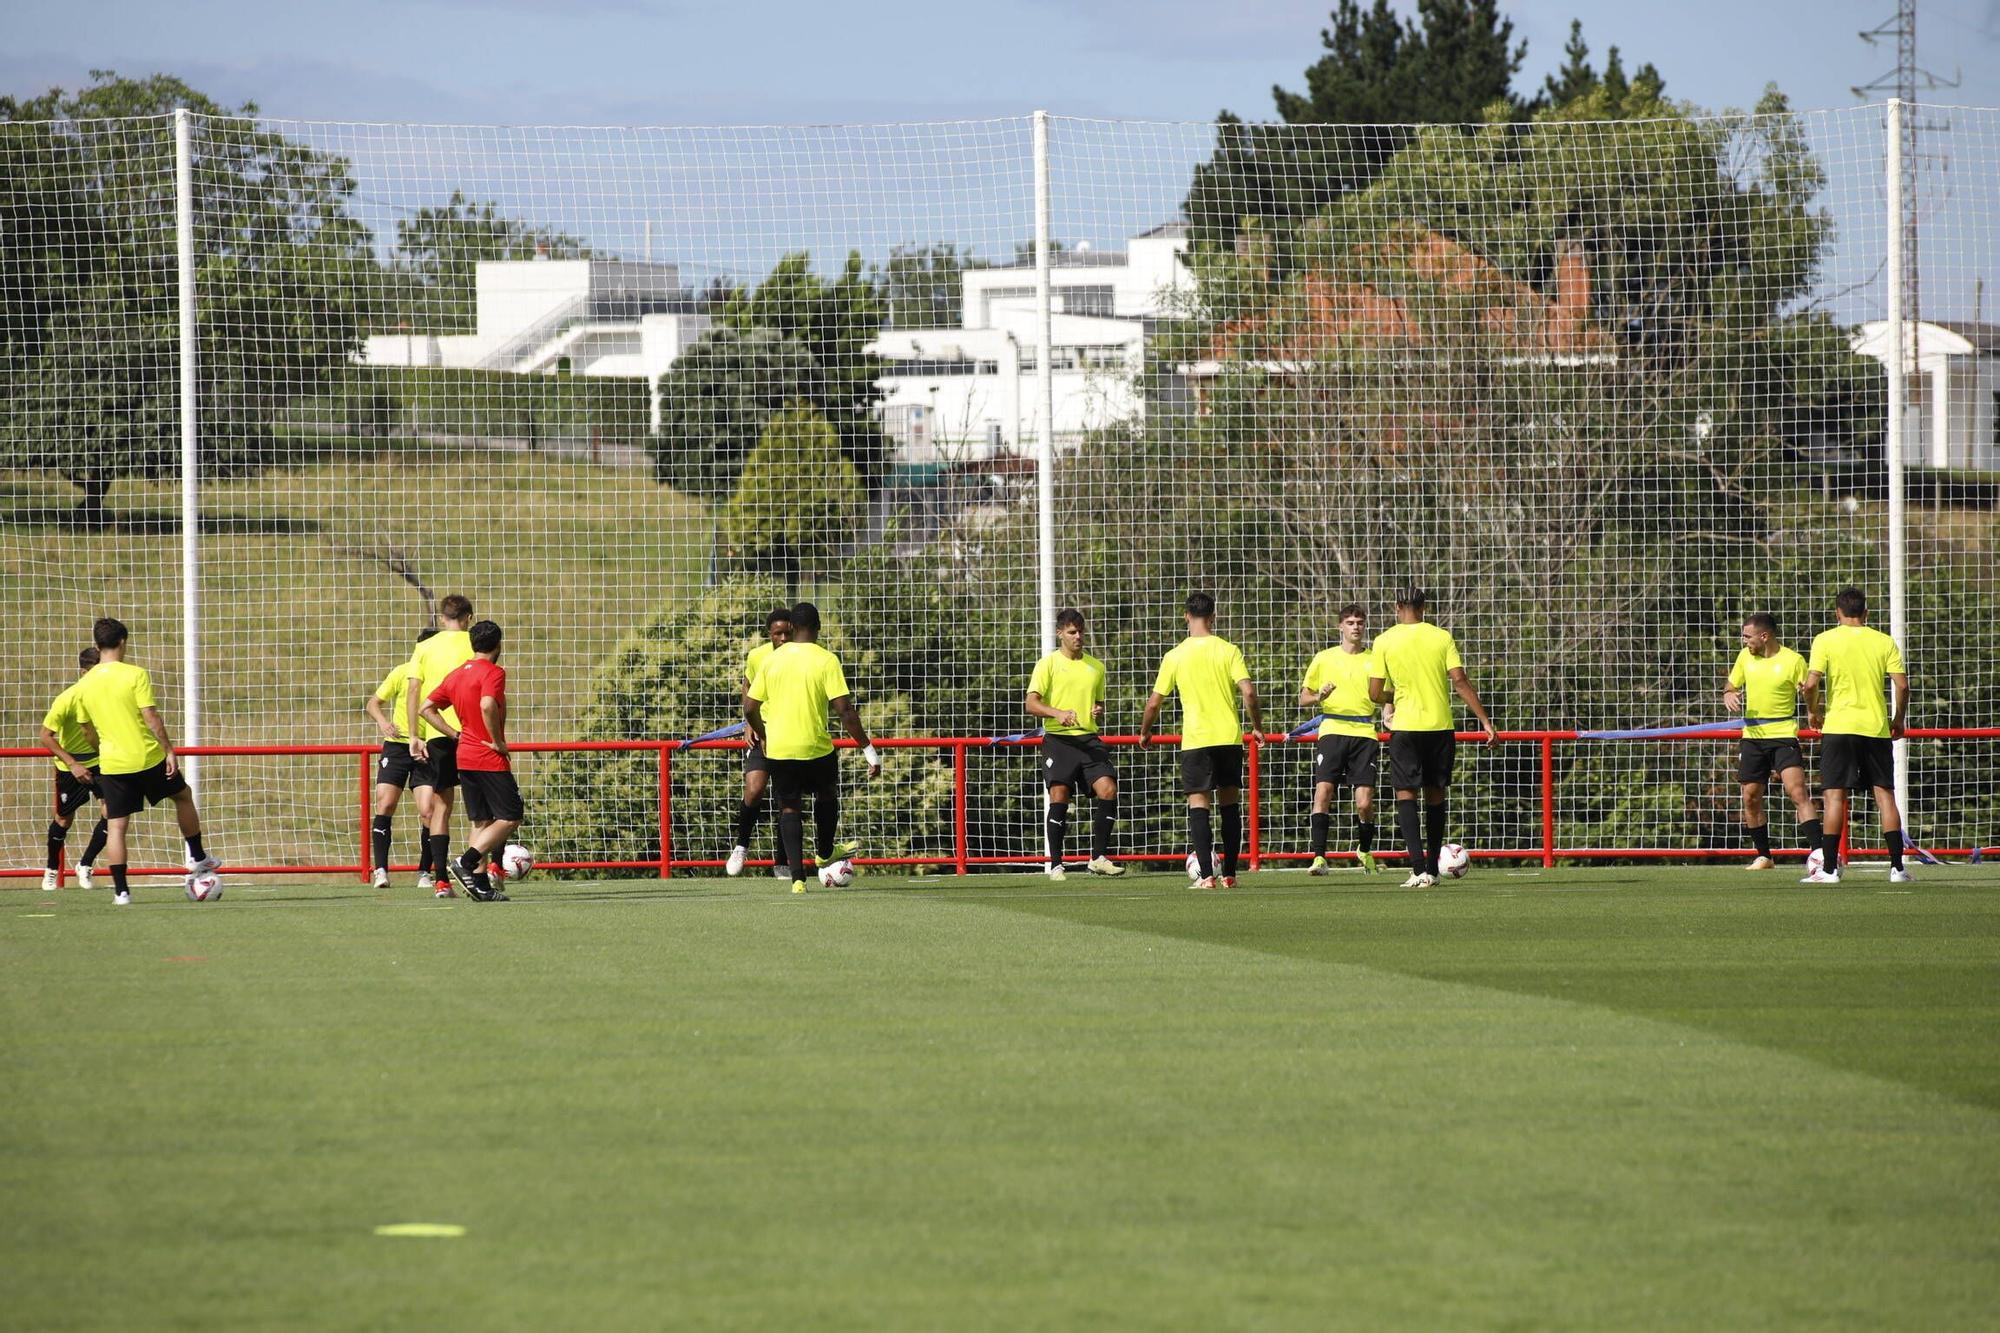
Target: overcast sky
{"points": [[677, 62]]}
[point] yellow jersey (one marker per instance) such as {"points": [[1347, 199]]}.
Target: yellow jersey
{"points": [[1770, 688], [795, 684], [1204, 668], [756, 658], [435, 658], [1417, 660], [66, 720], [1348, 710], [1857, 662], [1074, 684], [395, 692], [112, 697]]}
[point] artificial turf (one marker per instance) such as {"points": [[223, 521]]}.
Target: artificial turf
{"points": [[1586, 1098]]}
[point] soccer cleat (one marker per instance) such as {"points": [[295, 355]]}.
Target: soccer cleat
{"points": [[848, 850], [1900, 877], [1226, 882], [1762, 863], [798, 886], [737, 856], [85, 877], [1418, 880], [1104, 865], [121, 898], [1367, 861], [206, 865], [1822, 876], [379, 880], [1205, 882], [1057, 873], [1319, 866], [443, 891], [1430, 881], [781, 872], [429, 881], [468, 881], [51, 880], [494, 895]]}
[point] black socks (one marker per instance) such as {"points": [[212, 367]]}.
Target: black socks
{"points": [[1895, 837], [58, 835], [1364, 834], [1202, 834], [440, 851], [1058, 830], [194, 848], [1433, 837], [1105, 816], [98, 837], [1760, 838], [118, 879], [1830, 848], [378, 837], [792, 841], [1321, 825], [1232, 838], [1809, 834], [746, 821], [1411, 825]]}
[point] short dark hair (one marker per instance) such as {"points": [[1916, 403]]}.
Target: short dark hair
{"points": [[485, 637], [1851, 601], [1411, 596], [805, 616], [1201, 606], [455, 606], [778, 613], [1068, 616], [1351, 609], [1763, 620], [429, 632], [87, 658], [109, 633]]}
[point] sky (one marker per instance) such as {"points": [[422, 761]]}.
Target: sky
{"points": [[790, 62]]}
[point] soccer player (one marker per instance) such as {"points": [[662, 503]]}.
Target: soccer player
{"points": [[1336, 683], [434, 772], [1764, 686], [1857, 744], [1066, 690], [785, 711], [756, 768], [136, 762], [74, 744], [470, 706], [1209, 673], [1416, 665], [395, 771]]}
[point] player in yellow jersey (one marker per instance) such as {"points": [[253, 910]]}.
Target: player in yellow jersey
{"points": [[1336, 683], [756, 768], [1416, 664], [136, 762], [1764, 686], [1209, 674], [434, 755], [785, 710], [387, 707], [1066, 691], [73, 742], [1857, 742]]}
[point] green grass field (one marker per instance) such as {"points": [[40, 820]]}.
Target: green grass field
{"points": [[1588, 1098]]}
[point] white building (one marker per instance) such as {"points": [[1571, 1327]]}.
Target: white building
{"points": [[1951, 412]]}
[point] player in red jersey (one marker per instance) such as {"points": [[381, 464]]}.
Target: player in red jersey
{"points": [[476, 693]]}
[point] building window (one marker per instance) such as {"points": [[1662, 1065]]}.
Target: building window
{"points": [[1088, 301]]}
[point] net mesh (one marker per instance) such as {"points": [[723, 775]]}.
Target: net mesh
{"points": [[1600, 386]]}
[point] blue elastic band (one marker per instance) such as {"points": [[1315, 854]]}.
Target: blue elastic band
{"points": [[1692, 729], [719, 734]]}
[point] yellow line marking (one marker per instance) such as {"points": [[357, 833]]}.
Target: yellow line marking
{"points": [[421, 1229]]}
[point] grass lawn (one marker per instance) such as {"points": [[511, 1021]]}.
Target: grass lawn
{"points": [[1586, 1098]]}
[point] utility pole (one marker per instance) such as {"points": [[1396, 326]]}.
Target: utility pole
{"points": [[1904, 82]]}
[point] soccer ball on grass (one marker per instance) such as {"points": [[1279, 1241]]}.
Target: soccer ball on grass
{"points": [[205, 887], [1454, 860], [516, 861], [837, 874]]}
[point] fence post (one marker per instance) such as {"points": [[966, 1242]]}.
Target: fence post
{"points": [[1256, 793], [190, 443], [1045, 454], [666, 810], [367, 811], [1548, 802], [1900, 279], [959, 841]]}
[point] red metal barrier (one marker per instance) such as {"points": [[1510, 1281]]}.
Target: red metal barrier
{"points": [[961, 859]]}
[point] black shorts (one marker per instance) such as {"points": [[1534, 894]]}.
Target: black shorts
{"points": [[1075, 761], [129, 793], [1346, 761], [1759, 759], [1211, 767], [1420, 759], [395, 768], [796, 779], [1853, 763], [439, 771], [71, 795], [490, 795], [754, 760]]}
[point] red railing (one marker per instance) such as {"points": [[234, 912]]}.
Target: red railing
{"points": [[1548, 853]]}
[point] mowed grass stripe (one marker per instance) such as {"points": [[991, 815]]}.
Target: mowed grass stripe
{"points": [[904, 1109]]}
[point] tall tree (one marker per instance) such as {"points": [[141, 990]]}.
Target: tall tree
{"points": [[799, 502], [89, 355], [921, 285], [716, 400], [438, 251]]}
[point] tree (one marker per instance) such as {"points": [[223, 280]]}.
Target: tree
{"points": [[716, 401], [834, 321], [799, 502], [91, 343], [921, 285], [438, 251], [1578, 78]]}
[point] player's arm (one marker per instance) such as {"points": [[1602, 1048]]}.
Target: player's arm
{"points": [[1149, 715], [158, 726], [1379, 691], [54, 747], [1732, 694], [380, 714], [1462, 683], [494, 711], [413, 691], [1036, 708], [1901, 683], [753, 717], [1809, 687], [1247, 690], [850, 718], [434, 715]]}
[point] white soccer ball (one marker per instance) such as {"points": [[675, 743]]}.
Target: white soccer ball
{"points": [[1815, 859], [837, 874], [1193, 867], [1454, 860], [205, 887], [516, 861]]}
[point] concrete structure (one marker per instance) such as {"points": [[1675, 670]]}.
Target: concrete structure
{"points": [[1951, 413]]}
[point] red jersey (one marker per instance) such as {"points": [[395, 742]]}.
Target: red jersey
{"points": [[461, 691]]}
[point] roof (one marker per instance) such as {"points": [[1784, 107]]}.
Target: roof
{"points": [[1985, 338], [1166, 230]]}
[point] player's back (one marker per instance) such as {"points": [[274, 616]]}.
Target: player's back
{"points": [[1417, 659], [113, 697], [1204, 669], [434, 659], [795, 684], [1857, 661]]}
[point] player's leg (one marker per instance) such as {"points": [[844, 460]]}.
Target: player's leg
{"points": [[1757, 825], [1230, 815], [121, 801], [1433, 829], [428, 868], [60, 818], [442, 768], [1055, 827], [86, 865], [1833, 804], [786, 782], [1793, 776], [1440, 754], [392, 771], [1319, 824], [1364, 822], [1104, 818], [756, 778], [1406, 775], [826, 809], [1881, 778], [1196, 780]]}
